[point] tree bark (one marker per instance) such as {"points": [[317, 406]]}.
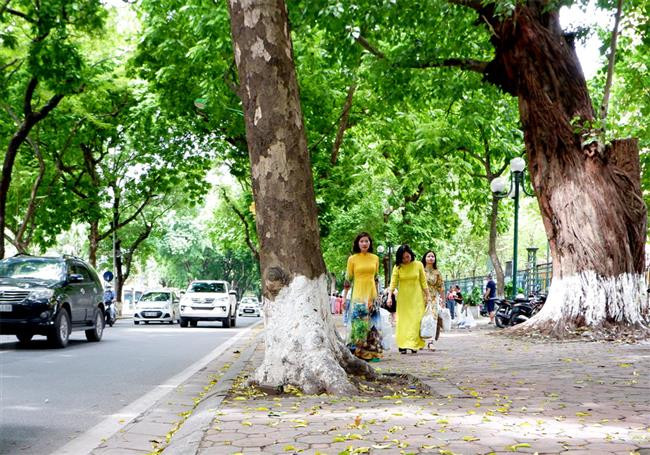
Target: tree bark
{"points": [[302, 346], [589, 194], [93, 242]]}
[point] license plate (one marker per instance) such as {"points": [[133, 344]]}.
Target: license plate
{"points": [[150, 313], [6, 307], [249, 311]]}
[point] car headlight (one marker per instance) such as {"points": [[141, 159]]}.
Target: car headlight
{"points": [[41, 294]]}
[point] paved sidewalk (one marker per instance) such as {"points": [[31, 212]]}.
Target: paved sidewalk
{"points": [[490, 394]]}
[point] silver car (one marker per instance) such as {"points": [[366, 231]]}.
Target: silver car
{"points": [[159, 305]]}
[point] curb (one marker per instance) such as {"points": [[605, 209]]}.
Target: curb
{"points": [[188, 438]]}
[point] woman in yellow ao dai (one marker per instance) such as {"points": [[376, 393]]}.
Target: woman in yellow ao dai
{"points": [[364, 338], [409, 280]]}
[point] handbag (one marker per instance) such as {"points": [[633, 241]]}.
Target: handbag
{"points": [[428, 324]]}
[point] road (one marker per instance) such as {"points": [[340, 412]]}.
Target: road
{"points": [[50, 396]]}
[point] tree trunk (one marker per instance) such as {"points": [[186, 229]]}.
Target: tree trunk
{"points": [[93, 242], [589, 194], [119, 276], [303, 348], [492, 248]]}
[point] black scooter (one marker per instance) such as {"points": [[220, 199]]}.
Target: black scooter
{"points": [[110, 315], [520, 310]]}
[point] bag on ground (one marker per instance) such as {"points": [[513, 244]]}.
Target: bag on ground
{"points": [[446, 319], [427, 324], [386, 328]]}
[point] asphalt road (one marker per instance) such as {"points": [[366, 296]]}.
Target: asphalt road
{"points": [[50, 396]]}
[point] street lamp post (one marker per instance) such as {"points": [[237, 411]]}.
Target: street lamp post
{"points": [[498, 187]]}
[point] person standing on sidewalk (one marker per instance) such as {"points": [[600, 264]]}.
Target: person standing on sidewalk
{"points": [[458, 297], [490, 297], [451, 302], [364, 338], [436, 287], [409, 279]]}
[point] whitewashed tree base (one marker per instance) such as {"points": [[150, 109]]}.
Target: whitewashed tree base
{"points": [[303, 348], [593, 306]]}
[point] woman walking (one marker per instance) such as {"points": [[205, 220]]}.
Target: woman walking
{"points": [[436, 287], [409, 279], [364, 338]]}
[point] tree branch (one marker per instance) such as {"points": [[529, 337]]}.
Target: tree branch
{"points": [[7, 65], [31, 206], [462, 63], [610, 65], [468, 64], [126, 221], [343, 125], [19, 14], [367, 46], [241, 216]]}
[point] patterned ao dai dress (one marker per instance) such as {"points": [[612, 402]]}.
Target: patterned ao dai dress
{"points": [[364, 338], [436, 288]]}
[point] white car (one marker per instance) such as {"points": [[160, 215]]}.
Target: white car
{"points": [[209, 300], [159, 305], [249, 307]]}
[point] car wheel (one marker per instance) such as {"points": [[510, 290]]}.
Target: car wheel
{"points": [[225, 322], [24, 337], [194, 323], [95, 334], [183, 322], [60, 332], [233, 321], [136, 322]]}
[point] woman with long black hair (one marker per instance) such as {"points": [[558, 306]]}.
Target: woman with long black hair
{"points": [[409, 279]]}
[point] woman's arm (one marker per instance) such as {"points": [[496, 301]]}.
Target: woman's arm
{"points": [[423, 283], [394, 279]]}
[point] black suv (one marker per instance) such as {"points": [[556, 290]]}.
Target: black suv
{"points": [[50, 296]]}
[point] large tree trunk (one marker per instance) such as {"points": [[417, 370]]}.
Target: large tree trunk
{"points": [[302, 346], [589, 194], [492, 248]]}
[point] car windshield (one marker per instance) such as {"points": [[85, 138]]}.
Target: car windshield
{"points": [[44, 269], [155, 297], [202, 286]]}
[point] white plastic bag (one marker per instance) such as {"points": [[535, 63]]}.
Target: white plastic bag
{"points": [[446, 319], [428, 324], [468, 321], [386, 330]]}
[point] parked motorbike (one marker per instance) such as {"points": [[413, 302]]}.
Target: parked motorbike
{"points": [[520, 310], [110, 314]]}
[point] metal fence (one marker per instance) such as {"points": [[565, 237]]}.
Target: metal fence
{"points": [[531, 280]]}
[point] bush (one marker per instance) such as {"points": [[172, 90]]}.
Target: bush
{"points": [[475, 297], [507, 289]]}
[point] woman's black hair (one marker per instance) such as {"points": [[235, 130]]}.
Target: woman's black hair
{"points": [[400, 254], [356, 248], [435, 262]]}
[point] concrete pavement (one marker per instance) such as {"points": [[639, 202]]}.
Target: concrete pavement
{"points": [[488, 394]]}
